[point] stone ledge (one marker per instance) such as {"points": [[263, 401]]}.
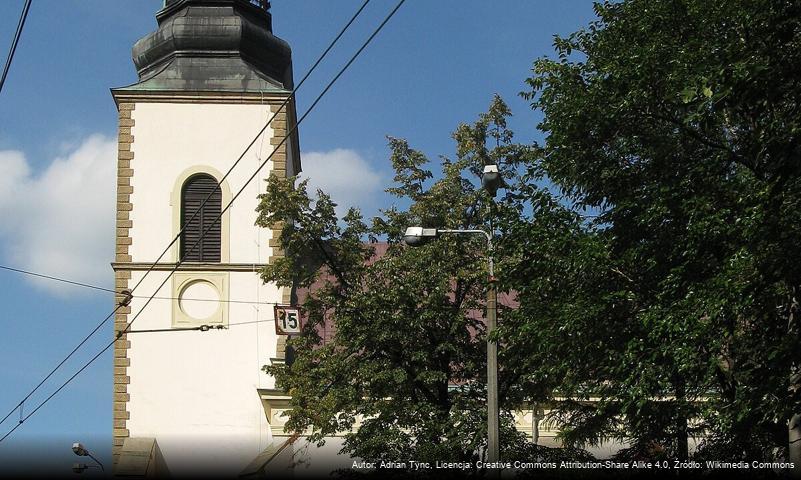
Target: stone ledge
{"points": [[122, 97], [188, 267]]}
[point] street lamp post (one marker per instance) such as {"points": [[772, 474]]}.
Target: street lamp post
{"points": [[491, 181], [81, 451], [416, 236], [493, 412]]}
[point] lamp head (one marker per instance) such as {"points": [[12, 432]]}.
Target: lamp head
{"points": [[491, 179], [418, 236], [79, 449]]}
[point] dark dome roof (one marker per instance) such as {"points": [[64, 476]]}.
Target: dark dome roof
{"points": [[213, 45]]}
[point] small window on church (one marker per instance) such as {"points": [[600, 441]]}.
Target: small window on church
{"points": [[195, 220]]}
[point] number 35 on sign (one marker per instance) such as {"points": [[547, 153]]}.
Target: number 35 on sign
{"points": [[287, 319]]}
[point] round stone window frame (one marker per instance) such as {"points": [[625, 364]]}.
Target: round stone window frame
{"points": [[183, 280]]}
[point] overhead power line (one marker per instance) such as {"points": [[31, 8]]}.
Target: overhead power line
{"points": [[124, 292], [14, 42], [101, 352], [264, 162], [57, 279], [178, 235], [202, 328], [228, 206], [283, 105], [62, 362]]}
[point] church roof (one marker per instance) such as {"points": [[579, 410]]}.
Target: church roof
{"points": [[213, 46]]}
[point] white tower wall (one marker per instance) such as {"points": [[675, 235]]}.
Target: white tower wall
{"points": [[196, 392]]}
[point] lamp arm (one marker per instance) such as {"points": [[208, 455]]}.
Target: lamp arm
{"points": [[96, 460]]}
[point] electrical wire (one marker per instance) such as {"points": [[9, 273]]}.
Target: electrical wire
{"points": [[123, 292], [288, 99], [228, 206], [202, 328], [17, 35], [264, 163], [26, 417], [47, 377], [178, 235], [57, 279]]}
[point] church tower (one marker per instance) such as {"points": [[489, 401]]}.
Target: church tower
{"points": [[210, 78]]}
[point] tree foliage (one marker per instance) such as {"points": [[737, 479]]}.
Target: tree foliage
{"points": [[656, 282], [677, 121], [407, 364]]}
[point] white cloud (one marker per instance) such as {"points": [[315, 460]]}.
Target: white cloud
{"points": [[60, 221], [345, 176]]}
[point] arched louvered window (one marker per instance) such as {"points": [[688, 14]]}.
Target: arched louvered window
{"points": [[196, 220]]}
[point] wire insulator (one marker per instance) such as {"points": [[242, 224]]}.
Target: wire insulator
{"points": [[128, 297]]}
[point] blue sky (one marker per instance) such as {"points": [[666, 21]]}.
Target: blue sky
{"points": [[436, 64]]}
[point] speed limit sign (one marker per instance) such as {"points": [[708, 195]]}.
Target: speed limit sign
{"points": [[287, 320]]}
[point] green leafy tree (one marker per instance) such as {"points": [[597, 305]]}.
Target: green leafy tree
{"points": [[405, 373], [677, 121]]}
